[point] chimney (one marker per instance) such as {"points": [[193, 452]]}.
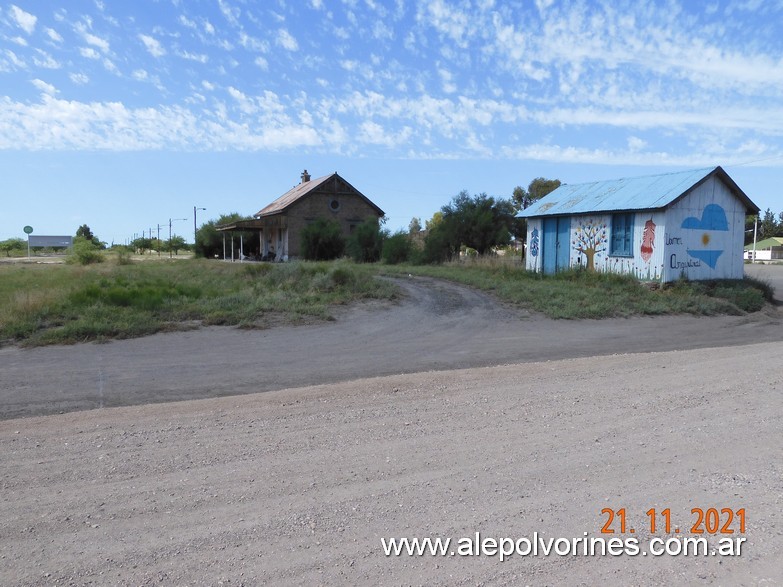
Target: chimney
{"points": [[305, 176]]}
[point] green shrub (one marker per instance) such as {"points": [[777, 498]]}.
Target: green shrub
{"points": [[397, 248], [322, 240], [366, 242], [84, 252]]}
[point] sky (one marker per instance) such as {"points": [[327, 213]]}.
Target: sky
{"points": [[127, 115]]}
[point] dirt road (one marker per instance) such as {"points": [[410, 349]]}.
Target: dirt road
{"points": [[297, 487], [438, 326]]}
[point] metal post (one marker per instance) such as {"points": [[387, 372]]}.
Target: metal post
{"points": [[241, 247], [169, 238], [158, 240], [195, 229], [224, 246], [755, 232]]}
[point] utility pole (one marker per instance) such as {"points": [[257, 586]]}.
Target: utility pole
{"points": [[195, 229]]}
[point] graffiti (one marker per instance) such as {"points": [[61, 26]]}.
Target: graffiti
{"points": [[648, 240], [534, 243], [713, 218], [590, 240]]}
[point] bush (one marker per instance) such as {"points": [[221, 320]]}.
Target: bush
{"points": [[322, 240], [366, 242], [397, 248], [84, 252]]}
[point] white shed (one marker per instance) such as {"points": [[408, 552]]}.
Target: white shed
{"points": [[658, 227]]}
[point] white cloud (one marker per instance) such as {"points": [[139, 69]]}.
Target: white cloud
{"points": [[286, 41], [140, 75], [44, 87], [79, 78], [89, 53], [198, 57], [316, 4], [43, 59], [636, 144], [231, 13], [24, 20], [152, 45], [261, 62], [207, 85], [21, 41], [54, 35], [90, 38]]}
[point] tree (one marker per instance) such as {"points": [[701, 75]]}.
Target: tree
{"points": [[12, 244], [767, 225], [142, 244], [209, 241], [415, 226], [85, 232], [175, 244], [479, 222], [537, 189], [322, 240], [590, 239]]}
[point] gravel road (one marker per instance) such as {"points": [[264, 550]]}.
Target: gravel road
{"points": [[442, 416], [437, 326], [297, 487]]}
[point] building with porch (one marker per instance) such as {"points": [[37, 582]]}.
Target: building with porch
{"points": [[279, 225], [659, 227]]}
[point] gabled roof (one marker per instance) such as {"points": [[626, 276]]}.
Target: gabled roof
{"points": [[767, 243], [634, 193], [298, 192]]}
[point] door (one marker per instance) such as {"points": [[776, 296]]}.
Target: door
{"points": [[556, 254]]}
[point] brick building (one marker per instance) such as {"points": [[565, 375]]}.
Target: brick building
{"points": [[279, 225]]}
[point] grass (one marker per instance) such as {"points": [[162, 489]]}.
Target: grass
{"points": [[52, 304], [582, 294], [68, 304]]}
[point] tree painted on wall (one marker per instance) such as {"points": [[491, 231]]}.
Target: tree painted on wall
{"points": [[590, 240]]}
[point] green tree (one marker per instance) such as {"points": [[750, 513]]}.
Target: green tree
{"points": [[85, 232], [175, 244], [768, 226], [537, 189], [12, 244], [366, 242], [142, 244], [209, 240], [415, 226], [480, 221], [322, 240]]}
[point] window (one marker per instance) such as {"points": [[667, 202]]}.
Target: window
{"points": [[622, 235], [334, 205]]}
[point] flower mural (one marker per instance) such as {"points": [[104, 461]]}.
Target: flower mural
{"points": [[590, 240]]}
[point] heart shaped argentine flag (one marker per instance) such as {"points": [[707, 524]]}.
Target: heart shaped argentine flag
{"points": [[713, 219]]}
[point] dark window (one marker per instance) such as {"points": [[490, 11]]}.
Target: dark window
{"points": [[334, 205], [622, 235]]}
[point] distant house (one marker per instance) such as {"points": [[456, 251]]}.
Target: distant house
{"points": [[658, 227], [279, 225], [770, 249]]}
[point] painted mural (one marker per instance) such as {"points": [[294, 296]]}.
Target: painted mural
{"points": [[534, 242], [713, 218], [590, 240], [648, 241]]}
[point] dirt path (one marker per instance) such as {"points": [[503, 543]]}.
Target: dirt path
{"points": [[297, 487], [438, 326]]}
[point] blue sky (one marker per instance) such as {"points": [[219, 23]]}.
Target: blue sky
{"points": [[123, 114]]}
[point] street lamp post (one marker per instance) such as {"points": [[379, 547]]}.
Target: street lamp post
{"points": [[195, 230], [170, 221]]}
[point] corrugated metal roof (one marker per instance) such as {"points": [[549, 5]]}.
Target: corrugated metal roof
{"points": [[634, 193], [292, 196]]}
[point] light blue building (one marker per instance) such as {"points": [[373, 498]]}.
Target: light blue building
{"points": [[658, 227]]}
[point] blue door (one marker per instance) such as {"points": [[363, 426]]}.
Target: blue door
{"points": [[556, 253]]}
